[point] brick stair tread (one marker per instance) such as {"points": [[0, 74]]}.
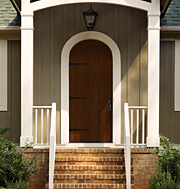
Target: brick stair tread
{"points": [[89, 155], [90, 177], [90, 151], [91, 159], [90, 167], [89, 186]]}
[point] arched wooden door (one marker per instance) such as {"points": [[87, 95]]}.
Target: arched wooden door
{"points": [[90, 92]]}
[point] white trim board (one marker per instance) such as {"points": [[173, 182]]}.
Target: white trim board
{"points": [[11, 28], [3, 75], [170, 28], [177, 77], [116, 84], [38, 5]]}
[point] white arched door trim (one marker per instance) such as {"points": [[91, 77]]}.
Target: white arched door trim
{"points": [[65, 84]]}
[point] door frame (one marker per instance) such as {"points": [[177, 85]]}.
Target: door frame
{"points": [[116, 117]]}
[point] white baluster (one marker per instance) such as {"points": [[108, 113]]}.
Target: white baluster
{"points": [[131, 126], [41, 126], [36, 125], [143, 125], [47, 126], [137, 137]]}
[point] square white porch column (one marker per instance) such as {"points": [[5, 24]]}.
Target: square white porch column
{"points": [[26, 76], [153, 74]]}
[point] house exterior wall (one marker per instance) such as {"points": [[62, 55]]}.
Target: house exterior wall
{"points": [[169, 118], [54, 26], [12, 117]]}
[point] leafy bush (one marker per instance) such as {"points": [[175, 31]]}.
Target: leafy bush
{"points": [[167, 175], [169, 158], [14, 168], [162, 180], [17, 185]]}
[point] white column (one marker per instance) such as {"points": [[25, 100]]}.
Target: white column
{"points": [[26, 76], [153, 74]]}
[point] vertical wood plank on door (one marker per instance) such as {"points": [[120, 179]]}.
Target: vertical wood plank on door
{"points": [[92, 113]]}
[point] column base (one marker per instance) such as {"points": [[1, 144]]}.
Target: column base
{"points": [[25, 139], [153, 142]]}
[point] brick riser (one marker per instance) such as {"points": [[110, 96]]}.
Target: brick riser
{"points": [[90, 168]]}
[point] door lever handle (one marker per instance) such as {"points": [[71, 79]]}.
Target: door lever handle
{"points": [[110, 104]]}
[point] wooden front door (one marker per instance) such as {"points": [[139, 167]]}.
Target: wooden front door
{"points": [[90, 93]]}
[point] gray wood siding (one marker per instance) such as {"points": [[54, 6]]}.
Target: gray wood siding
{"points": [[54, 26], [169, 119], [12, 118]]}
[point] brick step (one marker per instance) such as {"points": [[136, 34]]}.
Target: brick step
{"points": [[89, 172], [109, 181], [90, 167], [90, 151], [89, 159], [88, 155], [89, 186], [90, 163], [88, 176]]}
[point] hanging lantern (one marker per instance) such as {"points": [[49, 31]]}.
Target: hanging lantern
{"points": [[90, 18]]}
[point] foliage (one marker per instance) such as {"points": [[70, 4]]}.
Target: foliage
{"points": [[14, 167], [3, 130], [162, 180], [167, 175], [17, 185]]}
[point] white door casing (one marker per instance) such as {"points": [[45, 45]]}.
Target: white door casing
{"points": [[116, 123]]}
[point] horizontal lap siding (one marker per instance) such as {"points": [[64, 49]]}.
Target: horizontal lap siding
{"points": [[54, 26]]}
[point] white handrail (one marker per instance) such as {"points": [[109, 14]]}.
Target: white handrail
{"points": [[52, 146], [127, 147]]}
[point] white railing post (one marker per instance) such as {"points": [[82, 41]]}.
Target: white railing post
{"points": [[127, 147], [52, 147]]}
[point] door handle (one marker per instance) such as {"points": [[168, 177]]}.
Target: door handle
{"points": [[110, 104]]}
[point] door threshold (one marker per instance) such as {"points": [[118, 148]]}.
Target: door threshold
{"points": [[91, 145]]}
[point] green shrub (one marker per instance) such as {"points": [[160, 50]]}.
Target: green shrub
{"points": [[162, 180], [167, 175], [17, 185], [14, 168], [169, 158]]}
